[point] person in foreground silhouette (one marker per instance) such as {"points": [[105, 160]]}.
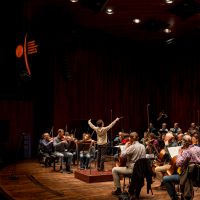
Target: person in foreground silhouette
{"points": [[133, 151]]}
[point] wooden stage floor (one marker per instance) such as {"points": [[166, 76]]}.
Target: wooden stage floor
{"points": [[35, 182]]}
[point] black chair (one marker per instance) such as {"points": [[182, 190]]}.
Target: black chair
{"points": [[189, 179], [194, 174], [58, 161], [126, 176]]}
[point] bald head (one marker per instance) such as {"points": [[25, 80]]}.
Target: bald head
{"points": [[187, 140], [169, 136]]}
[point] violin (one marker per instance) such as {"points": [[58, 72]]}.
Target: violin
{"points": [[63, 138], [47, 137], [173, 167], [50, 139]]}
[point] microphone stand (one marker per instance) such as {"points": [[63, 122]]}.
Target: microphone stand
{"points": [[66, 130], [111, 139], [51, 132]]}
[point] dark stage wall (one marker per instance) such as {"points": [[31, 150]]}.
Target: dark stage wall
{"points": [[106, 82]]}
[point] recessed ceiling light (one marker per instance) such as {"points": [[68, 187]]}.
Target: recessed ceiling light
{"points": [[169, 1], [136, 20], [109, 11], [167, 30], [74, 1]]}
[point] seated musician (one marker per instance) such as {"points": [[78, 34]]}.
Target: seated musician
{"points": [[118, 139], [72, 146], [193, 128], [45, 149], [163, 129], [164, 159], [152, 145], [145, 138], [176, 129], [195, 139], [121, 139], [189, 153], [152, 129], [61, 144], [133, 151], [87, 150]]}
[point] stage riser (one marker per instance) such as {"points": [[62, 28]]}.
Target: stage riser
{"points": [[94, 176]]}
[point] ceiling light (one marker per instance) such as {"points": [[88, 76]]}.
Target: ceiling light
{"points": [[167, 30], [74, 1], [169, 1], [109, 11], [136, 20]]}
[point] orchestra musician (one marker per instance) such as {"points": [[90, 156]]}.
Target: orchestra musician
{"points": [[176, 129], [193, 129], [121, 139], [152, 129], [61, 144], [45, 149], [179, 138], [163, 129], [152, 145], [195, 139], [102, 140], [189, 153], [132, 152], [87, 150], [72, 146], [163, 164]]}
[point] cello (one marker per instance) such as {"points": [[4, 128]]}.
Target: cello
{"points": [[122, 160], [173, 167]]}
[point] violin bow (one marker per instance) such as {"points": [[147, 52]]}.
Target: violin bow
{"points": [[65, 129], [51, 132], [92, 133]]}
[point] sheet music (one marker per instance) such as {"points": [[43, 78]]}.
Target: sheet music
{"points": [[150, 156], [122, 147], [173, 151]]}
